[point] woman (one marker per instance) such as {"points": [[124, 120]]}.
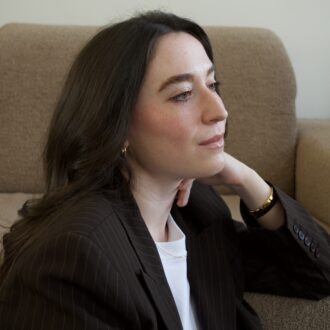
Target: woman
{"points": [[123, 238]]}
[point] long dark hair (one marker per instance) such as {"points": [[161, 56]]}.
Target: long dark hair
{"points": [[91, 121]]}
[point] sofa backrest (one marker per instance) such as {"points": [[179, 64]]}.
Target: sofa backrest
{"points": [[257, 85]]}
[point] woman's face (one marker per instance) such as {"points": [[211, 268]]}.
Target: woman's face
{"points": [[177, 112]]}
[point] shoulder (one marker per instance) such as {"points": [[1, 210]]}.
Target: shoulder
{"points": [[82, 217], [90, 224], [89, 218]]}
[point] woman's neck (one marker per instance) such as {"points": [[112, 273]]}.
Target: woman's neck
{"points": [[155, 198]]}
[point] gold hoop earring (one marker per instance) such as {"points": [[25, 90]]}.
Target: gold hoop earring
{"points": [[124, 151]]}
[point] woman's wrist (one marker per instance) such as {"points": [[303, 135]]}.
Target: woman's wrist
{"points": [[252, 189], [267, 205]]}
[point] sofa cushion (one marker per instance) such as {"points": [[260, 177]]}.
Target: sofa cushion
{"points": [[9, 205], [34, 60], [286, 313], [313, 168], [232, 202]]}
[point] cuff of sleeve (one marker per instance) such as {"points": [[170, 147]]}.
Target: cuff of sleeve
{"points": [[249, 219]]}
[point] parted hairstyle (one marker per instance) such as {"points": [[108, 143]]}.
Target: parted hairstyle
{"points": [[91, 121]]}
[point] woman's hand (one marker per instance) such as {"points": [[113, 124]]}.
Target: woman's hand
{"points": [[184, 192], [232, 175], [246, 183]]}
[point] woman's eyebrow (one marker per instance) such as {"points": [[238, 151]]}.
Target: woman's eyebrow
{"points": [[182, 77], [176, 79]]}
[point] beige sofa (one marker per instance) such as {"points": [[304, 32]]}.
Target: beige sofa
{"points": [[259, 90]]}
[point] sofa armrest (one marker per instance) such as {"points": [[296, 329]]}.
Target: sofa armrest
{"points": [[313, 168], [277, 312]]}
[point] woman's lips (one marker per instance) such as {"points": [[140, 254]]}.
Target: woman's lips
{"points": [[217, 141]]}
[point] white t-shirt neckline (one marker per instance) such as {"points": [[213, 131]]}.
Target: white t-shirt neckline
{"points": [[173, 255]]}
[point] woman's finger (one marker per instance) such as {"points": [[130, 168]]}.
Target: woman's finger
{"points": [[184, 192]]}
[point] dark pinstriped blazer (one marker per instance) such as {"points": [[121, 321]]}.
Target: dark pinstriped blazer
{"points": [[97, 267]]}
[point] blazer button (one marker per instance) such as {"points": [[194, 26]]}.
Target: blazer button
{"points": [[296, 228], [312, 247], [301, 234], [308, 241]]}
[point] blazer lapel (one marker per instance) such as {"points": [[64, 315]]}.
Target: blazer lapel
{"points": [[209, 273], [152, 272], [163, 300]]}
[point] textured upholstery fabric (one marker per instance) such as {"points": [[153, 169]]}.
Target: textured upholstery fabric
{"points": [[258, 90], [9, 205], [233, 203], [33, 63], [313, 169], [285, 313]]}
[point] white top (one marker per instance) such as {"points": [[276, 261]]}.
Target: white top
{"points": [[173, 255]]}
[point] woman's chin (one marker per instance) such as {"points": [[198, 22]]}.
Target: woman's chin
{"points": [[209, 168]]}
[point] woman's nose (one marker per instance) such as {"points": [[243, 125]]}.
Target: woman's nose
{"points": [[214, 109]]}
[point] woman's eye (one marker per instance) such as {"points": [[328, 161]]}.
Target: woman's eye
{"points": [[182, 97], [214, 86]]}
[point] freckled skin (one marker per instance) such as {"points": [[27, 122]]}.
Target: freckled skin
{"points": [[165, 134]]}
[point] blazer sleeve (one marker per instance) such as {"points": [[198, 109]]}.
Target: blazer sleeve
{"points": [[67, 284], [293, 260]]}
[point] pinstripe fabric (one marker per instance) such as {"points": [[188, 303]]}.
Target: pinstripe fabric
{"points": [[96, 267]]}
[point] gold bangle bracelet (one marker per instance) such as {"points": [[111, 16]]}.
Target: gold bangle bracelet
{"points": [[266, 206]]}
